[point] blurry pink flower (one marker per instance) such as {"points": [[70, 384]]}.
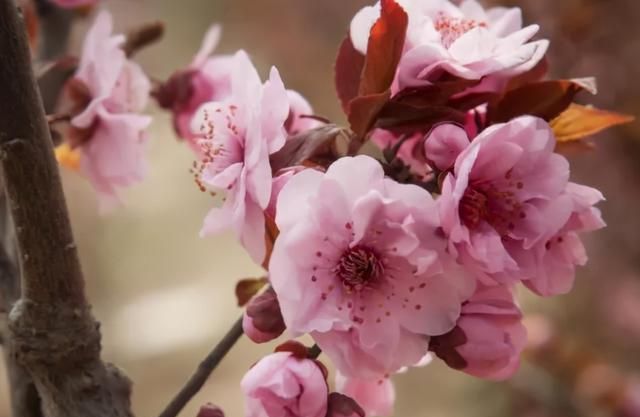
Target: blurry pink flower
{"points": [[207, 78], [375, 396], [443, 145], [279, 181], [283, 385], [262, 320], [73, 3], [109, 132], [488, 338], [299, 107], [350, 246], [239, 135], [505, 195], [465, 41], [549, 266]]}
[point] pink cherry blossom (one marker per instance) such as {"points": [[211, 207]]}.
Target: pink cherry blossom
{"points": [[375, 396], [299, 107], [466, 41], [73, 3], [351, 246], [507, 194], [283, 385], [207, 78], [239, 135], [280, 179], [549, 266], [110, 132], [488, 338]]}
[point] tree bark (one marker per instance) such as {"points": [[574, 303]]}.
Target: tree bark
{"points": [[52, 332]]}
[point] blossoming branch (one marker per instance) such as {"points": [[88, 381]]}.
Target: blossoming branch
{"points": [[386, 260]]}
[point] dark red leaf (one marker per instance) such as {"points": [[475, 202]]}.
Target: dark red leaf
{"points": [[535, 74], [437, 93], [545, 99], [386, 41], [348, 71], [402, 117], [316, 146], [364, 110]]}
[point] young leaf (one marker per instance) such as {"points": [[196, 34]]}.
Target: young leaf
{"points": [[364, 110], [315, 145], [247, 288], [348, 71], [545, 99], [578, 122], [386, 41]]}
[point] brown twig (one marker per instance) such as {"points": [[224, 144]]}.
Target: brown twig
{"points": [[206, 367], [52, 331], [143, 36]]}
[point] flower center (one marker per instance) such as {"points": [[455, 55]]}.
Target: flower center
{"points": [[500, 208], [451, 28], [473, 207], [359, 268]]}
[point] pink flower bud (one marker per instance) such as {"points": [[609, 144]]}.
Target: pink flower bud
{"points": [[262, 321], [283, 384], [488, 338], [210, 410], [343, 406]]}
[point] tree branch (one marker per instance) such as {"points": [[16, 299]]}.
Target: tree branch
{"points": [[52, 331], [206, 367]]}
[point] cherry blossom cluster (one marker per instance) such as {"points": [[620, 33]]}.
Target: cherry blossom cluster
{"points": [[387, 255]]}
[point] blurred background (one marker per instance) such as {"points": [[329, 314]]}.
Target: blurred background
{"points": [[165, 296]]}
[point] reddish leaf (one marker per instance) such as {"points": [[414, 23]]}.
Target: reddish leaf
{"points": [[578, 122], [316, 146], [408, 118], [386, 41], [247, 288], [348, 70], [437, 93], [364, 110], [545, 99], [535, 74]]}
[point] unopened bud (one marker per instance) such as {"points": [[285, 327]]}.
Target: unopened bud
{"points": [[210, 410], [342, 406], [262, 321]]}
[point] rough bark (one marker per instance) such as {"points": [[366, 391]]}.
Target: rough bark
{"points": [[52, 332]]}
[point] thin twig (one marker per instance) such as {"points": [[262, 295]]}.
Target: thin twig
{"points": [[314, 351], [206, 367]]}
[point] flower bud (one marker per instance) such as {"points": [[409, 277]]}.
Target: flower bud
{"points": [[210, 410], [342, 406], [262, 321]]}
